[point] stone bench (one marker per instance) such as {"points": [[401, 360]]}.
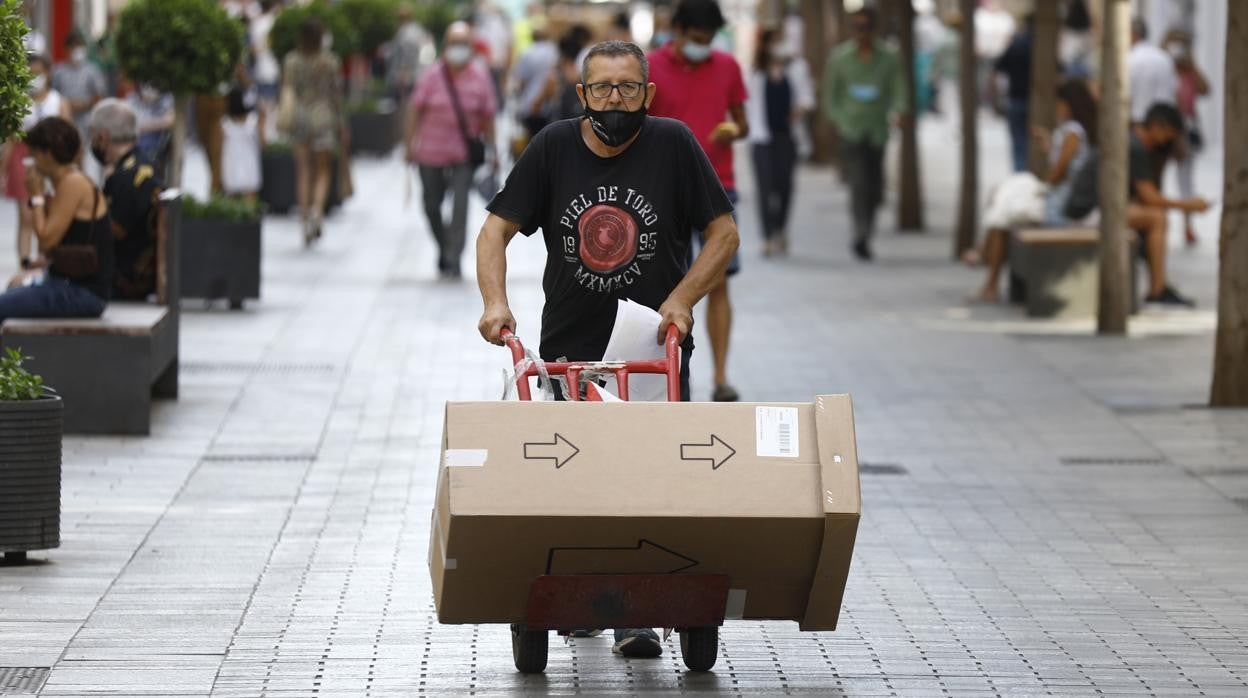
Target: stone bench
{"points": [[1055, 272], [107, 369]]}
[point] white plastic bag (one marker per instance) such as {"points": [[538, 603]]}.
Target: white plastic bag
{"points": [[1017, 200]]}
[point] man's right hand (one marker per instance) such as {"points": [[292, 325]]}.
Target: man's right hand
{"points": [[493, 320], [1197, 205]]}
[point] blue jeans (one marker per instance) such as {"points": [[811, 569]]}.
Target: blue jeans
{"points": [[1016, 116], [52, 298]]}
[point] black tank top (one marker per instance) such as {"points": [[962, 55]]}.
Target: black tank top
{"points": [[99, 234]]}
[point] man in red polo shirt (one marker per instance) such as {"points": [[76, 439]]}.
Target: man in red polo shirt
{"points": [[703, 88]]}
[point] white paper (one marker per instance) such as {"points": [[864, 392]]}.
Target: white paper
{"points": [[776, 431], [635, 338]]}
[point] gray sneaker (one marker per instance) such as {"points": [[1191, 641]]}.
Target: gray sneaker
{"points": [[637, 643]]}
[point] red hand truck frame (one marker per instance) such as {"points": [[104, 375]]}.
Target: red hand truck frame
{"points": [[693, 604]]}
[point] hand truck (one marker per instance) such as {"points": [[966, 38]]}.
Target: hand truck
{"points": [[691, 603]]}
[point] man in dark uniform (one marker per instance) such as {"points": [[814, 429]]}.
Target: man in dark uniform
{"points": [[133, 191]]}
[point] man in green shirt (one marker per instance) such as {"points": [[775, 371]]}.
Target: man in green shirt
{"points": [[863, 93]]}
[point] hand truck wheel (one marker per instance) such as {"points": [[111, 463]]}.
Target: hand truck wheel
{"points": [[699, 647], [528, 649]]}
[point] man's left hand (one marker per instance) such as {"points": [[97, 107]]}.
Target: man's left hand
{"points": [[726, 132], [676, 313]]}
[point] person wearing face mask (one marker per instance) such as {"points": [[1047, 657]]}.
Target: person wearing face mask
{"points": [[45, 102], [617, 194], [450, 132], [79, 81], [132, 190], [862, 94], [703, 87]]}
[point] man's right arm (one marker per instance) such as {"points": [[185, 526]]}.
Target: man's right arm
{"points": [[492, 243]]}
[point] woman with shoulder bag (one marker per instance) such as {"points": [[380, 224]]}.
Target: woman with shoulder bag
{"points": [[74, 272], [450, 121]]}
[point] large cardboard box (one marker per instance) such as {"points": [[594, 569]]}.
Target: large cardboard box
{"points": [[766, 494]]}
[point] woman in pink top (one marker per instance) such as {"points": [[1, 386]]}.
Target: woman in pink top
{"points": [[450, 132]]}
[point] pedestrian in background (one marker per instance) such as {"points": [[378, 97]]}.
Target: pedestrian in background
{"points": [[155, 113], [450, 132], [863, 93], [45, 102], [530, 80], [1192, 86], [780, 95], [703, 87], [79, 81], [312, 96], [1015, 65]]}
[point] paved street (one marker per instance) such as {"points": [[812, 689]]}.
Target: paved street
{"points": [[1044, 512]]}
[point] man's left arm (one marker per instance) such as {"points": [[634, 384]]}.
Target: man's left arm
{"points": [[721, 241]]}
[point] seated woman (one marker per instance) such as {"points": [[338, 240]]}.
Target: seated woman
{"points": [[1069, 146], [74, 272]]}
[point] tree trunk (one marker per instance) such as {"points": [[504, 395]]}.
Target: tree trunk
{"points": [[1115, 298], [177, 146], [1230, 357], [1042, 105], [817, 18], [968, 90], [910, 202]]}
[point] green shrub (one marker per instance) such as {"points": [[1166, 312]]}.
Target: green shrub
{"points": [[184, 47], [375, 22], [16, 383], [220, 208], [14, 73], [285, 33]]}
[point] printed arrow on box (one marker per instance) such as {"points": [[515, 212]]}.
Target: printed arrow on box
{"points": [[560, 451], [717, 452], [644, 558]]}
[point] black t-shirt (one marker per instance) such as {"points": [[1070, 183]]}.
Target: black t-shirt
{"points": [[615, 228], [1016, 64], [132, 192], [1139, 165]]}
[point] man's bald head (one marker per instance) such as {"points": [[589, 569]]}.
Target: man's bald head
{"points": [[458, 33]]}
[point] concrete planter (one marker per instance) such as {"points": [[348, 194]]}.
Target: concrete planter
{"points": [[221, 259], [277, 189], [30, 476], [375, 133]]}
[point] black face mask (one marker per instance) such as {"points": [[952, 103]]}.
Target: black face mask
{"points": [[100, 152], [615, 127]]}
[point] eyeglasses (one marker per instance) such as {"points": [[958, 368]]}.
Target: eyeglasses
{"points": [[602, 90]]}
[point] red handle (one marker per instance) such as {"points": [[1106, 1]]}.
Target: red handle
{"points": [[669, 365]]}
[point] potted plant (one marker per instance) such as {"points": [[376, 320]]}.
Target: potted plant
{"points": [[221, 249], [277, 179], [183, 47], [374, 123], [373, 116], [30, 461]]}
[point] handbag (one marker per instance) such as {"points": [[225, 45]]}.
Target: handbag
{"points": [[286, 109], [76, 262], [476, 146]]}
